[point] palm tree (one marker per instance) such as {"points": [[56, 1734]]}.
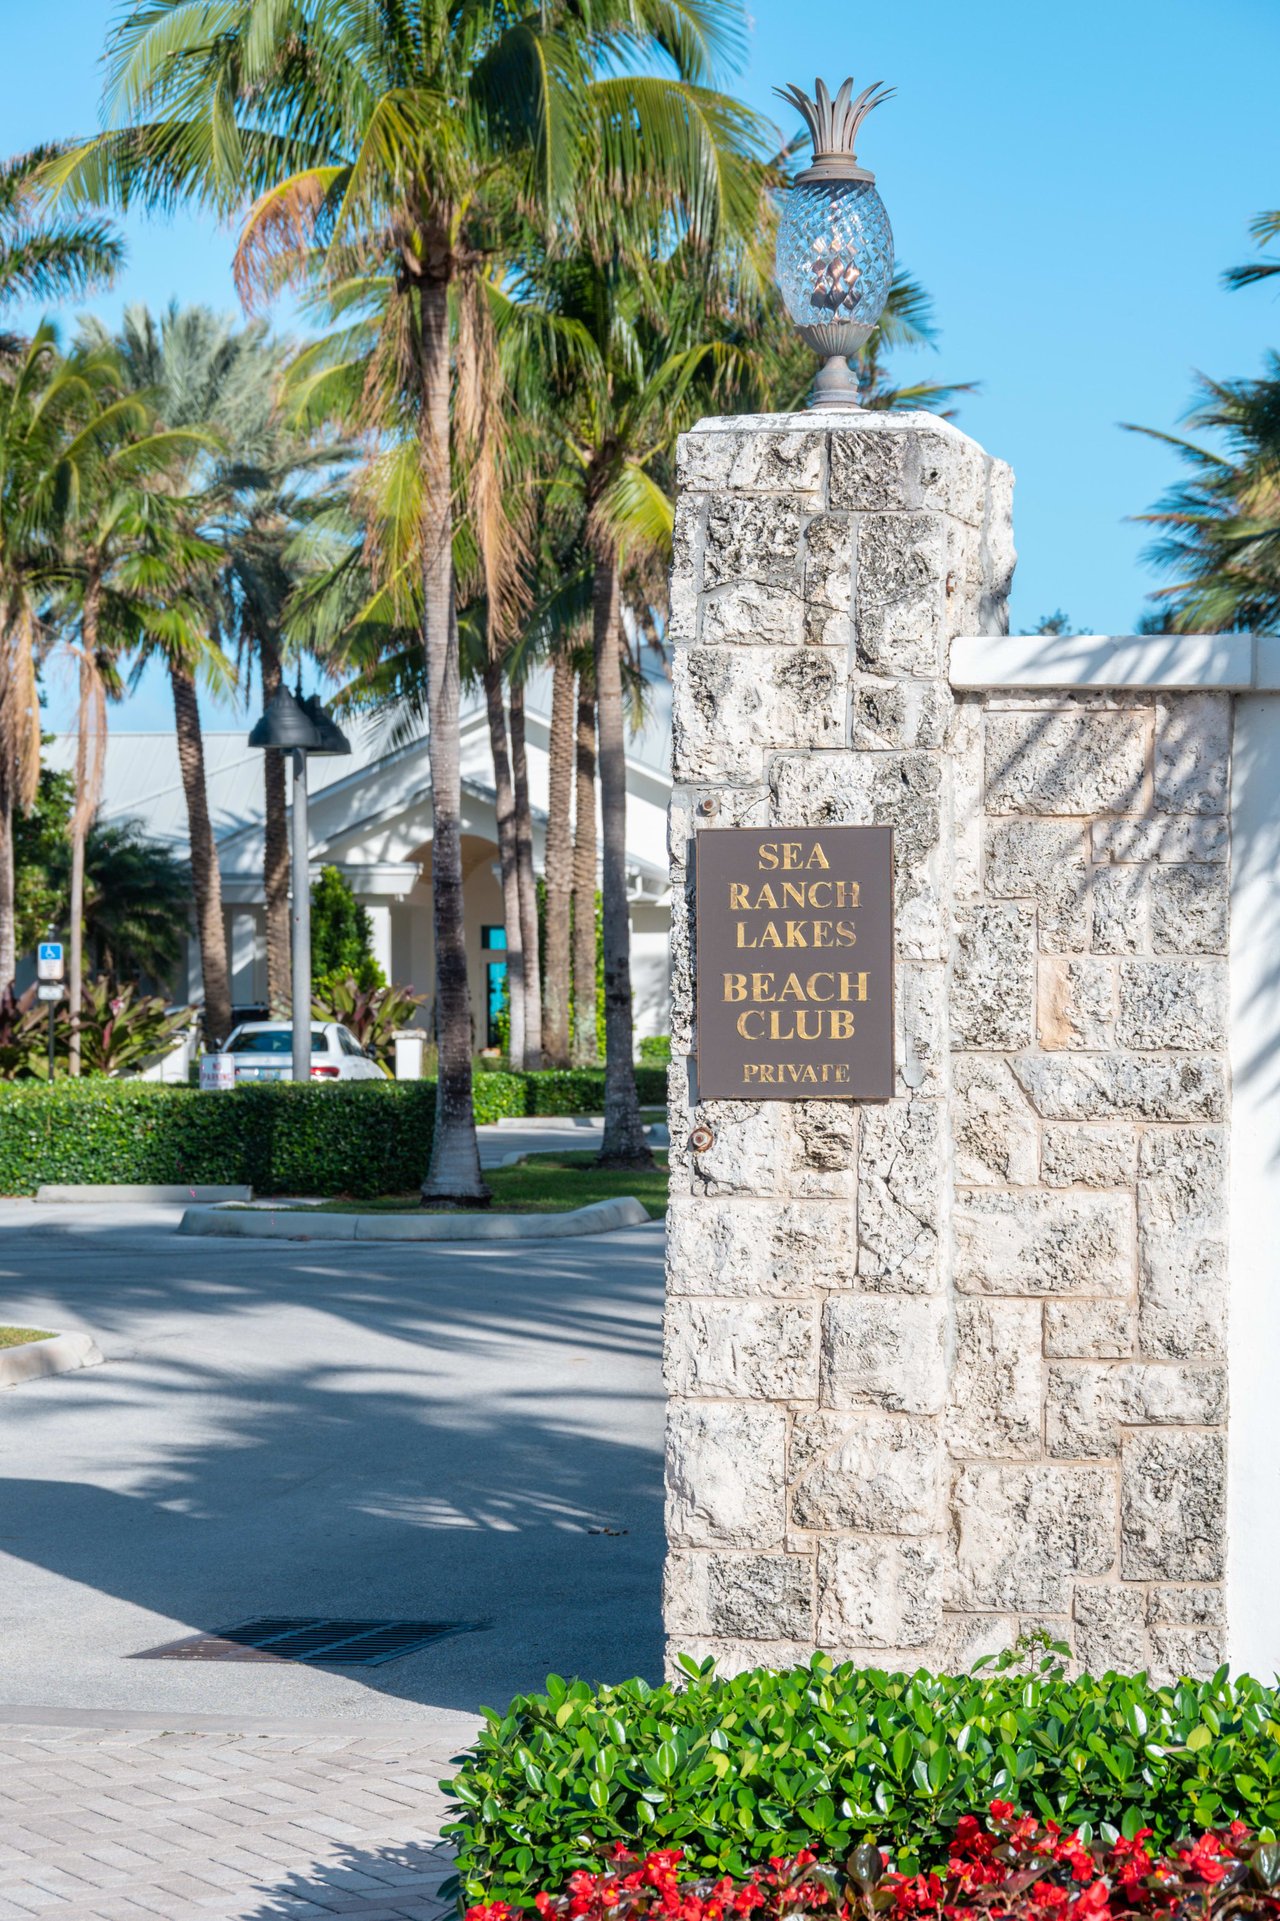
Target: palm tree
{"points": [[45, 257], [270, 501], [122, 576], [1219, 530], [206, 377], [402, 143], [44, 402]]}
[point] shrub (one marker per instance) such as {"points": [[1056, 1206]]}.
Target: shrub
{"points": [[372, 1014], [829, 1757], [352, 1137], [580, 1090], [341, 934], [360, 1137], [655, 1050], [1011, 1866]]}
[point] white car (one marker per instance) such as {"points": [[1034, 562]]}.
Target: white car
{"points": [[263, 1051]]}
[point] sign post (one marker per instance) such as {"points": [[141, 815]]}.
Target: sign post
{"points": [[50, 967], [795, 963]]}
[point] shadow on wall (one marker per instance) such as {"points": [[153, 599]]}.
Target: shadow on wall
{"points": [[484, 1445]]}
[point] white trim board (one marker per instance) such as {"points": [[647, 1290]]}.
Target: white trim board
{"points": [[1253, 1326], [1232, 663]]}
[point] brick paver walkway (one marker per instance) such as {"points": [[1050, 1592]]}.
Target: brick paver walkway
{"points": [[131, 1824]]}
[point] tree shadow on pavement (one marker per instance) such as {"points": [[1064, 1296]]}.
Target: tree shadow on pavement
{"points": [[453, 1439], [400, 1881]]}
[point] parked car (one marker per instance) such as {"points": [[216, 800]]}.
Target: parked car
{"points": [[263, 1051]]}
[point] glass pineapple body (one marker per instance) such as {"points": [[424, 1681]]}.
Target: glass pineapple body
{"points": [[834, 262]]}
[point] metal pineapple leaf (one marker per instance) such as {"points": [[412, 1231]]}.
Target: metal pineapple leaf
{"points": [[834, 124]]}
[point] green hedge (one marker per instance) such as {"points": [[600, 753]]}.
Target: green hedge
{"points": [[733, 1771], [361, 1138], [580, 1090]]}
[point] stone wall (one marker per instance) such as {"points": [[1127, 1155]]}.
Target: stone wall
{"points": [[949, 1365]]}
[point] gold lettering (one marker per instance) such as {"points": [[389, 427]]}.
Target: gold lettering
{"points": [[791, 851], [820, 892], [803, 1017], [762, 987], [739, 897], [735, 987], [795, 934], [841, 1024], [812, 985], [792, 990], [793, 893], [747, 1033], [846, 934], [817, 858], [768, 853]]}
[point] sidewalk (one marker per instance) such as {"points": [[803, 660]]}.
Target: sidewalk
{"points": [[132, 1823]]}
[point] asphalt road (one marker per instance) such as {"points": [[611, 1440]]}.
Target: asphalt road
{"points": [[453, 1434]]}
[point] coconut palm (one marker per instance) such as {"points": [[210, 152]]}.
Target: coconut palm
{"points": [[1219, 530], [402, 142], [207, 377], [269, 503], [44, 402], [47, 257], [121, 577]]}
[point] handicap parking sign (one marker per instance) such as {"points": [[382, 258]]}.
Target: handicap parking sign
{"points": [[49, 961]]}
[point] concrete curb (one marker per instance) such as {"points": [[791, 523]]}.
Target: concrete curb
{"points": [[429, 1724], [601, 1217], [558, 1123], [34, 1359], [125, 1191]]}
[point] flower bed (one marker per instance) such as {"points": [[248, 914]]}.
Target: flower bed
{"points": [[827, 1758], [1011, 1866]]}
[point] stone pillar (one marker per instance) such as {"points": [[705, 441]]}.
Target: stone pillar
{"points": [[822, 565]]}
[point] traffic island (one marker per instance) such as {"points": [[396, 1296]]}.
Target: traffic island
{"points": [[28, 1354], [311, 1224]]}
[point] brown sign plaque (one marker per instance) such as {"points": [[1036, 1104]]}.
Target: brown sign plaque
{"points": [[795, 963]]}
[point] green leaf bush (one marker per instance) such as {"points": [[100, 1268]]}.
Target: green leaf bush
{"points": [[828, 1757], [362, 1138]]}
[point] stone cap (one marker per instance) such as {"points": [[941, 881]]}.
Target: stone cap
{"points": [[1230, 663]]}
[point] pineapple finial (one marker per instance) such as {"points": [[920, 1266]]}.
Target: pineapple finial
{"points": [[834, 126]]}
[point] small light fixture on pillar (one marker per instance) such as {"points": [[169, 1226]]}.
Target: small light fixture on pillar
{"points": [[835, 245], [298, 726]]}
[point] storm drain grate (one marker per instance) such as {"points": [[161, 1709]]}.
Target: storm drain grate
{"points": [[318, 1639]]}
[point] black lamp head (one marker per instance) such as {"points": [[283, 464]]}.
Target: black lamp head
{"points": [[287, 724], [332, 740]]}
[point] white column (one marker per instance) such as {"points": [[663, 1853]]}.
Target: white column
{"points": [[244, 945], [1253, 1592], [379, 913]]}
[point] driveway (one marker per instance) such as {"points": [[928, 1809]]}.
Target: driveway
{"points": [[455, 1435]]}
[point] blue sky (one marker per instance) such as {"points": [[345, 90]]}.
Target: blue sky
{"points": [[1068, 183]]}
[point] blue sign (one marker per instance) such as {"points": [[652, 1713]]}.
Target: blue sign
{"points": [[51, 950]]}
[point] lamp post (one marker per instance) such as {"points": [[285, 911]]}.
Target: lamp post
{"points": [[298, 726], [835, 246]]}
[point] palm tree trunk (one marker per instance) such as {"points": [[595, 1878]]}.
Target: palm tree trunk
{"points": [[205, 877], [624, 1143], [528, 886], [585, 1049], [90, 721], [79, 828], [505, 808], [8, 921], [454, 1173], [559, 865], [275, 849]]}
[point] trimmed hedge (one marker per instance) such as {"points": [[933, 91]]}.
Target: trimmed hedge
{"points": [[580, 1090], [361, 1137], [734, 1771]]}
